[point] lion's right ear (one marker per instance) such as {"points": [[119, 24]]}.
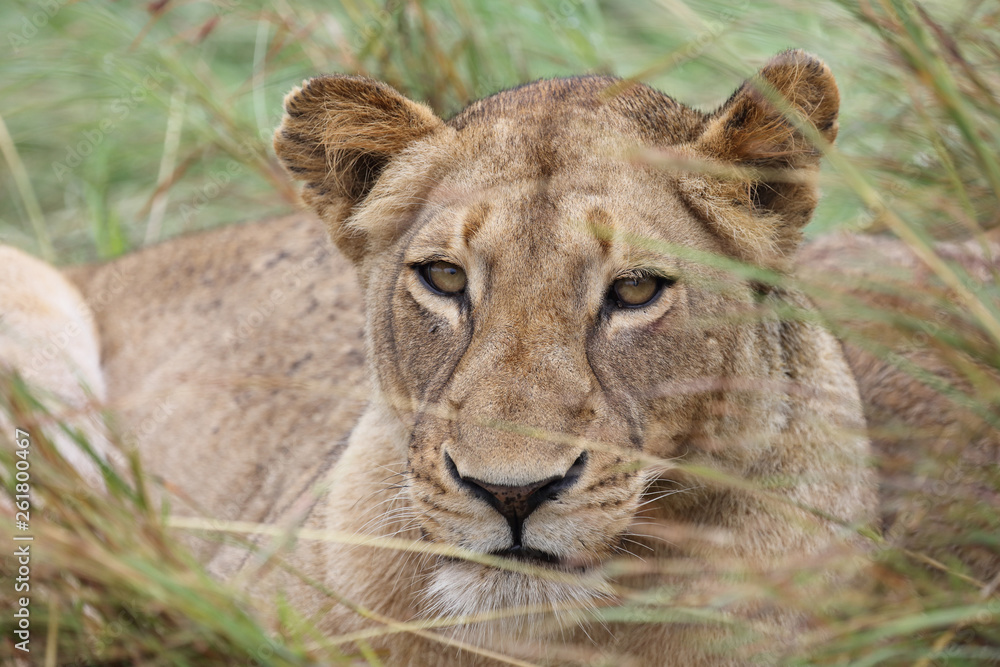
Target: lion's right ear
{"points": [[337, 135]]}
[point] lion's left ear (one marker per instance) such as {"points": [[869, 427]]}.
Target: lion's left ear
{"points": [[759, 215]]}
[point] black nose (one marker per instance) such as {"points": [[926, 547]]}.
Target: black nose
{"points": [[515, 503]]}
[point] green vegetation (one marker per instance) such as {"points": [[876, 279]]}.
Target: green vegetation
{"points": [[131, 123], [127, 123]]}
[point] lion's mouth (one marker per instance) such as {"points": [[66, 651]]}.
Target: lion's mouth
{"points": [[532, 556], [568, 564], [540, 559]]}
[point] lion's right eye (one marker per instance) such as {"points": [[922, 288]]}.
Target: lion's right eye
{"points": [[443, 278]]}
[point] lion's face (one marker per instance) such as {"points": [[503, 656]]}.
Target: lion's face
{"points": [[539, 336], [540, 314], [531, 337]]}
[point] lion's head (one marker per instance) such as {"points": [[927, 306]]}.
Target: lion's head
{"points": [[543, 309]]}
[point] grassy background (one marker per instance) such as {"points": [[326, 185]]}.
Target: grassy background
{"points": [[128, 123], [105, 158]]}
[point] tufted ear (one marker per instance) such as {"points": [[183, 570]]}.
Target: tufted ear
{"points": [[337, 135], [759, 211]]}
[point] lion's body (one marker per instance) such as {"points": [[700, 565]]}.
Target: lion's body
{"points": [[235, 360], [200, 381], [937, 452], [535, 373]]}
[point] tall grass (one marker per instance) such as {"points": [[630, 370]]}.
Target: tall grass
{"points": [[132, 123], [117, 159]]}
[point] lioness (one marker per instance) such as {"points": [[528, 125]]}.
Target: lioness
{"points": [[569, 368]]}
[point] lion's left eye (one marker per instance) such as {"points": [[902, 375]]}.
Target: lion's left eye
{"points": [[639, 291], [443, 278]]}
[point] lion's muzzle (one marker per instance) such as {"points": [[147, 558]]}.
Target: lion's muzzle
{"points": [[515, 503]]}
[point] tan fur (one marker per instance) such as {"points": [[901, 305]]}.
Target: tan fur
{"points": [[934, 449], [751, 132], [235, 362], [47, 336], [537, 193], [239, 398]]}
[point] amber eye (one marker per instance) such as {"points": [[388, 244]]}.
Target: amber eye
{"points": [[443, 277], [635, 292]]}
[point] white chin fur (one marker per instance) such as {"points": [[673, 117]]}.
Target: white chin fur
{"points": [[525, 607]]}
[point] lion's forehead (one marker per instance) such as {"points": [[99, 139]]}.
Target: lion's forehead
{"points": [[555, 180], [575, 225], [603, 103], [551, 148]]}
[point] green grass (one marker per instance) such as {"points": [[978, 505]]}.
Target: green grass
{"points": [[91, 126], [130, 123]]}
